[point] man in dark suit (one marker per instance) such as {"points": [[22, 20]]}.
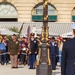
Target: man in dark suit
{"points": [[53, 52], [68, 56], [32, 50]]}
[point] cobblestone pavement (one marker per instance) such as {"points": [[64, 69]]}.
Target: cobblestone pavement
{"points": [[22, 70]]}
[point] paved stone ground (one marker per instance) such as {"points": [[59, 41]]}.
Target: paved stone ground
{"points": [[57, 71], [22, 70]]}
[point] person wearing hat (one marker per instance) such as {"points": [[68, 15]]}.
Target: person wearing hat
{"points": [[53, 52], [32, 50], [13, 50], [68, 56]]}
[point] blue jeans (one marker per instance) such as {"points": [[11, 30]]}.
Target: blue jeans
{"points": [[4, 57], [53, 61], [31, 60], [60, 52], [22, 58]]}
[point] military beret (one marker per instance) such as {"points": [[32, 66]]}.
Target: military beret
{"points": [[14, 35], [32, 34], [23, 37], [53, 38]]}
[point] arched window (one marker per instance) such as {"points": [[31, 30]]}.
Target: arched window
{"points": [[8, 12], [37, 13], [73, 14]]}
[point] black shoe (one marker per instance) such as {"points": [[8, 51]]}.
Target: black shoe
{"points": [[34, 68], [53, 69], [12, 67], [16, 67], [30, 68], [2, 63]]}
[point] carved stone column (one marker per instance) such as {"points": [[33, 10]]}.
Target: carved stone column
{"points": [[44, 62]]}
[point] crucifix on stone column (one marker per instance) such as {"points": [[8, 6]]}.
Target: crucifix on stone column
{"points": [[44, 62]]}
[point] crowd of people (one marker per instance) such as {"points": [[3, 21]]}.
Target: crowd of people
{"points": [[20, 51]]}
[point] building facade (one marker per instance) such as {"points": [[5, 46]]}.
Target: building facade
{"points": [[32, 10], [61, 15]]}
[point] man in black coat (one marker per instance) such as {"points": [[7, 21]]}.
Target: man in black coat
{"points": [[32, 51], [68, 56], [53, 52]]}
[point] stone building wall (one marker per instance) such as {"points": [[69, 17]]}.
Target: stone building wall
{"points": [[24, 9]]}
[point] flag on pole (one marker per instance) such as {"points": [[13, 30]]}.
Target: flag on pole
{"points": [[34, 30], [20, 30], [28, 34]]}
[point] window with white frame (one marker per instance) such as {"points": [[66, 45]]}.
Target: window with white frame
{"points": [[7, 10]]}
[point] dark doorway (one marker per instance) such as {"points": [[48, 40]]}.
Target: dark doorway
{"points": [[8, 19]]}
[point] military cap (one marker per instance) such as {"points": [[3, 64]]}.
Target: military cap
{"points": [[24, 37], [14, 35], [32, 34], [73, 26], [53, 38]]}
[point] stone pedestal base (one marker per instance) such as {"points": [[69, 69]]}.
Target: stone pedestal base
{"points": [[44, 69]]}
